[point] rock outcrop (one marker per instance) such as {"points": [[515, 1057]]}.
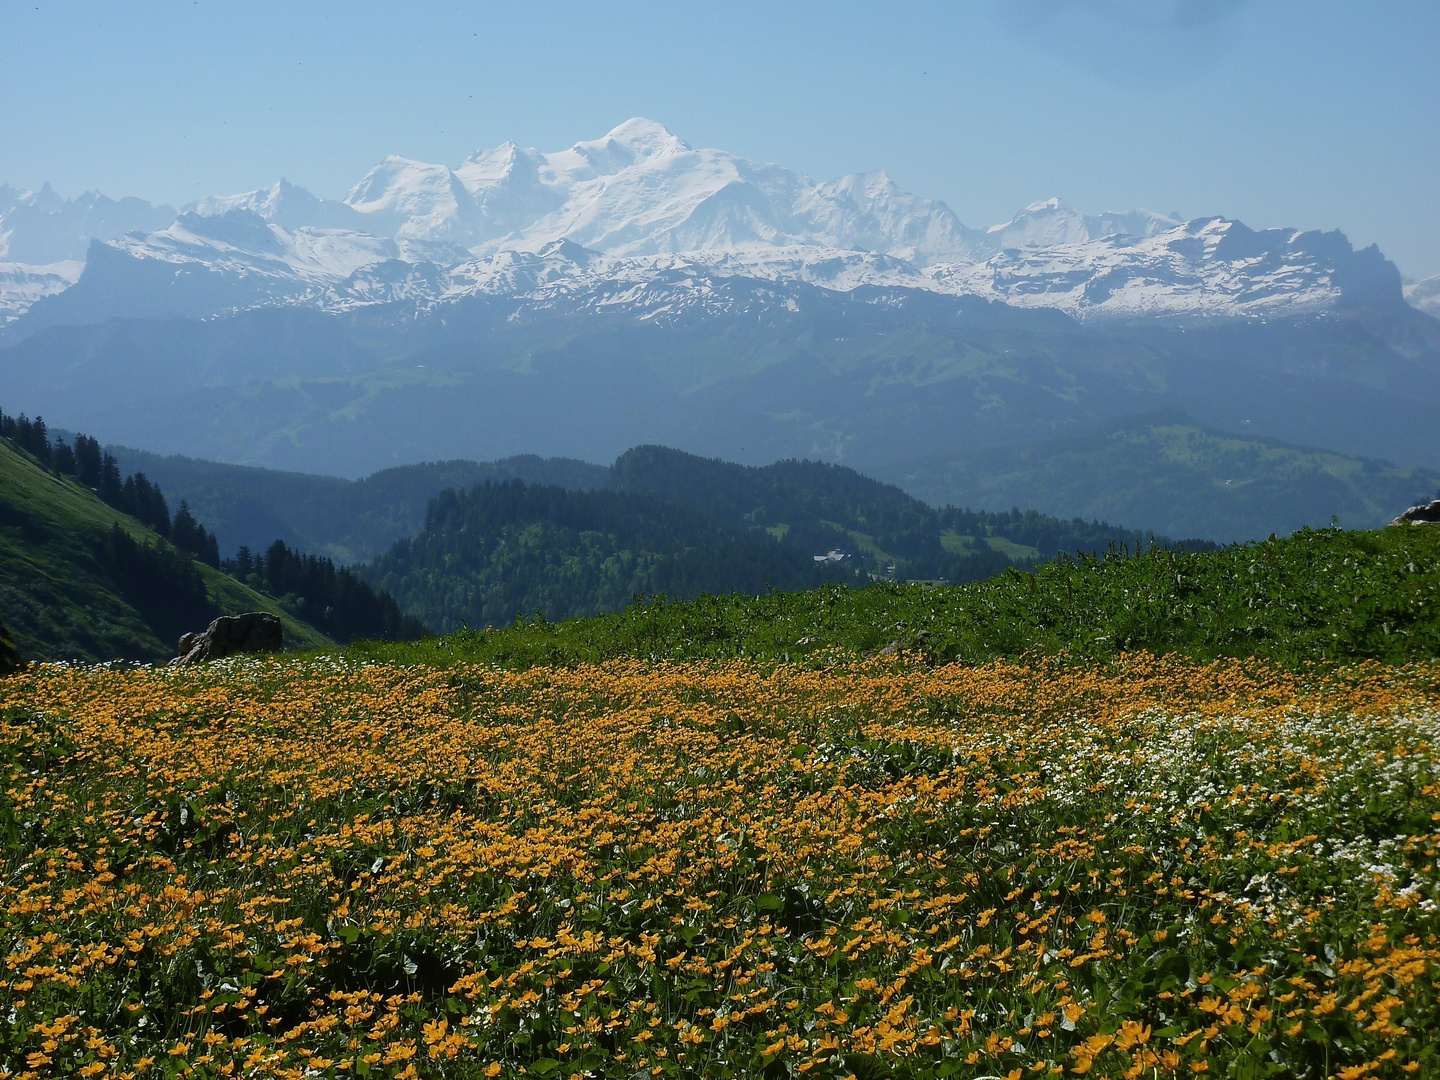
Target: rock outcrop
{"points": [[1424, 514], [253, 632]]}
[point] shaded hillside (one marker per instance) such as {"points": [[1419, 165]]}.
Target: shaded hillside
{"points": [[816, 506], [680, 525], [1170, 474], [81, 580], [345, 520], [505, 550], [870, 377]]}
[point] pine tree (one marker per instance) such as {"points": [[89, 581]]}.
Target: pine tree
{"points": [[63, 458], [88, 462]]}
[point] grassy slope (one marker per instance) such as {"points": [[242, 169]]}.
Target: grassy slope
{"points": [[55, 597], [1171, 475], [1315, 595]]}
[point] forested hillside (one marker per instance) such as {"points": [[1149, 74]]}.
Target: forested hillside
{"points": [[679, 525], [102, 571], [334, 599], [348, 521], [503, 550], [80, 579], [816, 506]]}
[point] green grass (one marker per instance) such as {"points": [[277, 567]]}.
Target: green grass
{"points": [[1011, 550], [55, 596], [1317, 595]]}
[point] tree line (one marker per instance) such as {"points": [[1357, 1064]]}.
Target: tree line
{"points": [[334, 600], [95, 468]]}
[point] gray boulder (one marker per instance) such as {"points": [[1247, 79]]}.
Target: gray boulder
{"points": [[1425, 514], [253, 632]]}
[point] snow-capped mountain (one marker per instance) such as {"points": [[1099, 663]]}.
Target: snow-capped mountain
{"points": [[1425, 294], [643, 191], [40, 228], [21, 284], [642, 214]]}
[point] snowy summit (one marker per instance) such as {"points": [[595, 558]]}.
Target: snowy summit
{"points": [[639, 205]]}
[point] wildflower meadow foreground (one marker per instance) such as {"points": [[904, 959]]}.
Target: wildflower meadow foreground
{"points": [[1141, 867]]}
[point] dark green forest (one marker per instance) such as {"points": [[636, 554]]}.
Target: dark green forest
{"points": [[817, 506], [678, 525], [349, 521], [336, 602], [503, 550]]}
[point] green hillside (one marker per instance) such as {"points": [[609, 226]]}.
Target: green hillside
{"points": [[1166, 473], [505, 550], [817, 506], [1316, 595], [346, 520], [80, 580], [680, 525]]}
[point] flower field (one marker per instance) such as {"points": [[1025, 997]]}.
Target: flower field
{"points": [[1138, 868]]}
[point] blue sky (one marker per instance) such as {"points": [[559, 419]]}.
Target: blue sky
{"points": [[1314, 115]]}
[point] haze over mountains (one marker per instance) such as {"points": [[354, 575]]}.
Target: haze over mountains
{"points": [[636, 205], [636, 290]]}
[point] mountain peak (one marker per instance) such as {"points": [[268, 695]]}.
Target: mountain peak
{"points": [[648, 138], [1051, 204], [634, 142]]}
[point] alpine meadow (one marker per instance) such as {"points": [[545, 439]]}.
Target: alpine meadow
{"points": [[601, 606]]}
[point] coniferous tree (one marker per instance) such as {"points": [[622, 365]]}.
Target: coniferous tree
{"points": [[88, 461], [63, 458], [189, 535], [112, 488], [333, 599]]}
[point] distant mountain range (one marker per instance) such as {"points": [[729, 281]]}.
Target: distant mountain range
{"points": [[634, 290], [641, 221]]}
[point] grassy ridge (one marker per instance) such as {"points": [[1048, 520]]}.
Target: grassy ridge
{"points": [[1316, 595], [61, 601]]}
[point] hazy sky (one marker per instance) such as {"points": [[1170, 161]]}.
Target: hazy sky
{"points": [[1314, 115]]}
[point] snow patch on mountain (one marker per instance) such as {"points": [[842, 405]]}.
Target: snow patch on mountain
{"points": [[286, 205], [642, 190], [1208, 267], [1424, 294], [242, 242], [1053, 222], [22, 284], [41, 228]]}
